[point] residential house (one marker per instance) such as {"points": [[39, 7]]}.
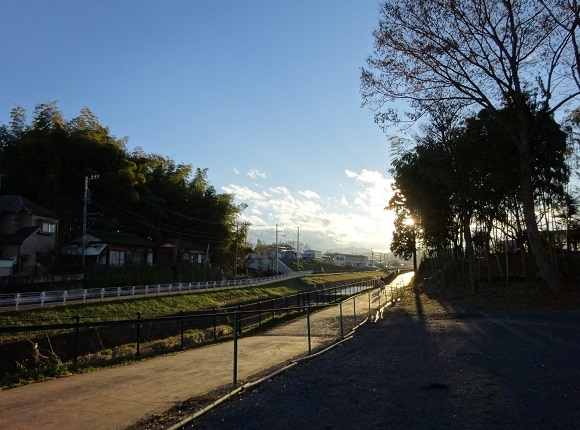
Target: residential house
{"points": [[183, 251], [112, 249], [28, 236]]}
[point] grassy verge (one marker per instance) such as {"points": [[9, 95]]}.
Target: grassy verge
{"points": [[170, 304], [49, 366]]}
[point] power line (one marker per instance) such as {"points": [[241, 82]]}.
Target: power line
{"points": [[164, 227]]}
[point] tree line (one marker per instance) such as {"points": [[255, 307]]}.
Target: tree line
{"points": [[47, 159], [487, 77]]}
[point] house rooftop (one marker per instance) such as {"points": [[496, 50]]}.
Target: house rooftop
{"points": [[121, 238], [14, 203]]}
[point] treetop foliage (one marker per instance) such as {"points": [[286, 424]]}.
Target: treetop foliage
{"points": [[518, 60], [47, 159]]}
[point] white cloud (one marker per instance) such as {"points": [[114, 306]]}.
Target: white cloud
{"points": [[257, 173], [309, 194], [354, 219], [236, 171], [242, 193]]}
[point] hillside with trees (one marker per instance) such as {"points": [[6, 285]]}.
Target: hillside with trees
{"points": [[46, 159]]}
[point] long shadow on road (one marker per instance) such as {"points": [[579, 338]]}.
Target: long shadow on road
{"points": [[428, 365]]}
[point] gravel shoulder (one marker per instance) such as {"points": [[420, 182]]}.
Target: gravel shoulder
{"points": [[432, 362]]}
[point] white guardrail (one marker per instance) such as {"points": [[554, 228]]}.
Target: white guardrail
{"points": [[39, 299]]}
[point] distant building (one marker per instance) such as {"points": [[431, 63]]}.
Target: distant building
{"points": [[347, 260], [310, 253]]}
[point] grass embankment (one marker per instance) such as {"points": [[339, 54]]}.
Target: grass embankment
{"points": [[170, 304], [45, 364]]}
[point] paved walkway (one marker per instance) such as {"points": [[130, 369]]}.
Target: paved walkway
{"points": [[116, 398]]}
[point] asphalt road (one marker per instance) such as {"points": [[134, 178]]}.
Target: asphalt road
{"points": [[427, 366]]}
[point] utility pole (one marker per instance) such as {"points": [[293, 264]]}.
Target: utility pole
{"points": [[236, 257], [298, 251], [276, 256], [86, 198]]}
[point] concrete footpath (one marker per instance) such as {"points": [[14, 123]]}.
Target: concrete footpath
{"points": [[116, 398]]}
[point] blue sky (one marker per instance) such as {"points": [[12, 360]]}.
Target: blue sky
{"points": [[265, 94]]}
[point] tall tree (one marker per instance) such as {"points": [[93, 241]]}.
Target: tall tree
{"points": [[492, 53]]}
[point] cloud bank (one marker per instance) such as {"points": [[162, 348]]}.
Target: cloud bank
{"points": [[347, 219]]}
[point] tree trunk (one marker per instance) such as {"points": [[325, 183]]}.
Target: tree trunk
{"points": [[469, 250], [544, 264]]}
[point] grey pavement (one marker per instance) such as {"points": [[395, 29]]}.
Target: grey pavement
{"points": [[427, 365], [116, 398]]}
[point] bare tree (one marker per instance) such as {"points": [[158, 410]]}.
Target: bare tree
{"points": [[514, 54]]}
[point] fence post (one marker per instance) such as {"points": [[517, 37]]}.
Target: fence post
{"points": [[308, 328], [354, 309], [341, 326], [102, 294], [214, 323], [84, 295], [17, 300], [138, 332], [64, 296], [77, 329], [235, 372], [273, 311], [118, 292], [369, 295], [259, 313], [182, 319], [42, 298]]}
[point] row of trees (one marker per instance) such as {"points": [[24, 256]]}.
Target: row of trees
{"points": [[459, 181], [47, 159], [516, 62]]}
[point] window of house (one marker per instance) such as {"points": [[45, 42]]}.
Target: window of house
{"points": [[116, 258], [48, 227], [137, 258]]}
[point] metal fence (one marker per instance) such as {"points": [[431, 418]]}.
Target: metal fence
{"points": [[41, 298], [82, 335]]}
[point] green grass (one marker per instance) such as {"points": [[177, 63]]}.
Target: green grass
{"points": [[169, 304], [51, 367], [152, 305]]}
